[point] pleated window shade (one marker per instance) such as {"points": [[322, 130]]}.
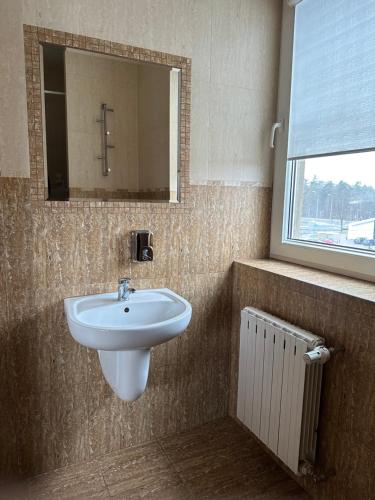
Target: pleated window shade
{"points": [[333, 78]]}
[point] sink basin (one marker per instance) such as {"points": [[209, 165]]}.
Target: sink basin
{"points": [[149, 318], [124, 331]]}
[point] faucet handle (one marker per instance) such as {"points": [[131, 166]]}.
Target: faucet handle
{"points": [[121, 281]]}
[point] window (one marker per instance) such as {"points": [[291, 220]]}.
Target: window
{"points": [[324, 184], [334, 201]]}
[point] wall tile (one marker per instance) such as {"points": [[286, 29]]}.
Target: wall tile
{"points": [[346, 442], [52, 390], [35, 441], [106, 416], [239, 154], [17, 235], [201, 44], [200, 126], [13, 130], [242, 35], [232, 43], [108, 233], [8, 443]]}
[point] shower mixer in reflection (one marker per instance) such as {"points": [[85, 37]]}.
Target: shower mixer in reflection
{"points": [[105, 136]]}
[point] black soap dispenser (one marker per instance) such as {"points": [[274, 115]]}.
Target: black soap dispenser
{"points": [[142, 246]]}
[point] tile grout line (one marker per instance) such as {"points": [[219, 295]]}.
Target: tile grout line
{"points": [[103, 480], [227, 430], [106, 486], [185, 483]]}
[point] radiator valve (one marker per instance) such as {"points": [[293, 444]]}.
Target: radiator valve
{"points": [[319, 355]]}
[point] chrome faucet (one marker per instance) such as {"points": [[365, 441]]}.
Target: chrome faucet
{"points": [[124, 290]]}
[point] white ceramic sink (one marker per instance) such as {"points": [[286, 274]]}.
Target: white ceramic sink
{"points": [[124, 331], [149, 318]]}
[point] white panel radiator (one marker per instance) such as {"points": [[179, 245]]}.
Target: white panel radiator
{"points": [[279, 385]]}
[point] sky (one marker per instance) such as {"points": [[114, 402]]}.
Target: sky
{"points": [[350, 168]]}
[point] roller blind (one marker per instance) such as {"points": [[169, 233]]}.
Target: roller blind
{"points": [[333, 78]]}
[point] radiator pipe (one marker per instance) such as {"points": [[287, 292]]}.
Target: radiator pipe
{"points": [[307, 469]]}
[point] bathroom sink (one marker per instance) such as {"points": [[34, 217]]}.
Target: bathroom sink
{"points": [[124, 331], [149, 318]]}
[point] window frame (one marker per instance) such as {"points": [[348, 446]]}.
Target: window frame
{"points": [[339, 260]]}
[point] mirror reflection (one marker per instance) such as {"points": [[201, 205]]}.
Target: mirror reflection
{"points": [[111, 127]]}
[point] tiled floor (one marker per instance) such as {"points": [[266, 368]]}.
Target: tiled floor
{"points": [[218, 460]]}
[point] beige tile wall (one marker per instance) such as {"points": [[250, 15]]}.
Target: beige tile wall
{"points": [[55, 406], [234, 47], [311, 300]]}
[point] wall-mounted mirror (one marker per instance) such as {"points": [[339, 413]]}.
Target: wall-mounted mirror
{"points": [[111, 126]]}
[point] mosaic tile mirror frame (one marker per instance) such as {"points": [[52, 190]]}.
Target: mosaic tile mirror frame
{"points": [[34, 38]]}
